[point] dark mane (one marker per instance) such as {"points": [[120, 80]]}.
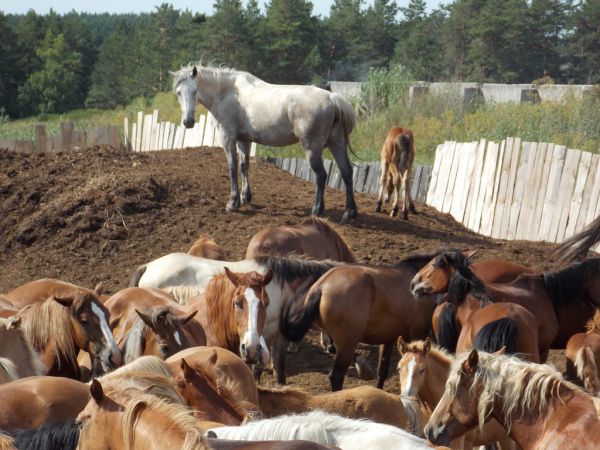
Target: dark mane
{"points": [[59, 435], [289, 269], [463, 281], [568, 285]]}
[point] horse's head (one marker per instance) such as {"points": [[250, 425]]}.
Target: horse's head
{"points": [[435, 277], [412, 367], [457, 411], [89, 320], [168, 329], [184, 84], [250, 301]]}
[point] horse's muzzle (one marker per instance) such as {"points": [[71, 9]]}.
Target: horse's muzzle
{"points": [[437, 435], [189, 123]]}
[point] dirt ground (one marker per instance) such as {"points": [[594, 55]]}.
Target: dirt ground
{"points": [[94, 215]]}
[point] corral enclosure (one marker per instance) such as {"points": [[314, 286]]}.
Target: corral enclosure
{"points": [[93, 215]]}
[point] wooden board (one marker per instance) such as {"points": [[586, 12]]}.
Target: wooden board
{"points": [[547, 150], [594, 198], [126, 137], [565, 195], [532, 179], [484, 209], [587, 194], [424, 184], [437, 162], [374, 186], [40, 138], [474, 190], [140, 128], [510, 187], [578, 193], [524, 170], [449, 194], [549, 214], [502, 185], [209, 131], [461, 185], [447, 155]]}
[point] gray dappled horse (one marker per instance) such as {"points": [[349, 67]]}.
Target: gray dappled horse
{"points": [[248, 109]]}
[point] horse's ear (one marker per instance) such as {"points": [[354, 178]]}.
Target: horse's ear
{"points": [[194, 72], [185, 319], [14, 322], [500, 352], [470, 365], [470, 253], [401, 345], [145, 317], [233, 277], [96, 391], [213, 358], [426, 345], [99, 289], [65, 301], [267, 277], [173, 74], [186, 369]]}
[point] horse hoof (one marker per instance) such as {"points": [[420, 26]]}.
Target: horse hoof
{"points": [[413, 210], [405, 215], [394, 212], [233, 205], [378, 207], [345, 220], [247, 198]]}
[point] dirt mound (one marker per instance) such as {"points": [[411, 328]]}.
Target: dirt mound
{"points": [[94, 215]]}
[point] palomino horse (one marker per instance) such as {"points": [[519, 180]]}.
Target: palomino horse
{"points": [[397, 156], [361, 303], [423, 370], [35, 401], [148, 321], [249, 110], [39, 290], [15, 348], [146, 412], [363, 402], [61, 326], [291, 279], [538, 408], [583, 356], [232, 312], [205, 247], [318, 426], [226, 368]]}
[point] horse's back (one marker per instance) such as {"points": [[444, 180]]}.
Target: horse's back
{"points": [[39, 290], [498, 270]]}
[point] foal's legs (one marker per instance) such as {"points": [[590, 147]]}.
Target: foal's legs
{"points": [[383, 182], [405, 195], [383, 366], [244, 149], [408, 184], [315, 159], [396, 178], [343, 358], [340, 153], [232, 161]]}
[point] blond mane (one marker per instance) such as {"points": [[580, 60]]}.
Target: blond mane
{"points": [[13, 337], [436, 352], [522, 387], [6, 442], [217, 300], [211, 72], [8, 371], [149, 364], [183, 293], [593, 325]]}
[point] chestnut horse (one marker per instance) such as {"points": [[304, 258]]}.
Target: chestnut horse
{"points": [[232, 312], [15, 348], [39, 290], [35, 401], [362, 303], [148, 321], [7, 309], [423, 370], [583, 357], [60, 327], [538, 408], [397, 156], [205, 247]]}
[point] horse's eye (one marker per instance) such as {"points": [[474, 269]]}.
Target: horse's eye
{"points": [[422, 370], [239, 304]]}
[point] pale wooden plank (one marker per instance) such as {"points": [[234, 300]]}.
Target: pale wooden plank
{"points": [[155, 130], [547, 150], [533, 176], [510, 188], [587, 194], [171, 143], [133, 136], [447, 202], [485, 206], [209, 132], [437, 162], [524, 168], [565, 195], [66, 133], [443, 175], [595, 197], [140, 127], [41, 138], [549, 213], [160, 136], [165, 139], [126, 136], [201, 129], [578, 192], [475, 189], [464, 201], [461, 186], [147, 132], [502, 180]]}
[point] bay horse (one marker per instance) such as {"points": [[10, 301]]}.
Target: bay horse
{"points": [[35, 401], [363, 402], [232, 312], [583, 357], [292, 277], [538, 408], [205, 247], [397, 157], [60, 327], [362, 303], [423, 370], [38, 291], [15, 348], [247, 109], [148, 321]]}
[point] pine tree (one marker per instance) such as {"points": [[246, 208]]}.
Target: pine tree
{"points": [[9, 73]]}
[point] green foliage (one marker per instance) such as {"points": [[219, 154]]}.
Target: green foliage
{"points": [[383, 88]]}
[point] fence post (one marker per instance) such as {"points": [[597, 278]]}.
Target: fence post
{"points": [[66, 131], [40, 139]]}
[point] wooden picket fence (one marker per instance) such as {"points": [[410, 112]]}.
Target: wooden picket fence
{"points": [[365, 177], [516, 190], [150, 134]]}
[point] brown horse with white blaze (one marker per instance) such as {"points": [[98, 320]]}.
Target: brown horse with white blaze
{"points": [[397, 156]]}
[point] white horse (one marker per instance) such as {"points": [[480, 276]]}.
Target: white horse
{"points": [[292, 277], [326, 429], [248, 109]]}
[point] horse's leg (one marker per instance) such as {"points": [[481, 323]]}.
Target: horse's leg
{"points": [[340, 154], [383, 365], [229, 145], [315, 159], [343, 358], [244, 149], [405, 195], [278, 355], [396, 180], [382, 186]]}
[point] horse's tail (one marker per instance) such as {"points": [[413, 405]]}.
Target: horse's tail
{"points": [[63, 435], [137, 276], [578, 246], [447, 336], [584, 357], [293, 325], [497, 334], [403, 145], [346, 116]]}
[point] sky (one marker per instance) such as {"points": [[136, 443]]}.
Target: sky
{"points": [[321, 7]]}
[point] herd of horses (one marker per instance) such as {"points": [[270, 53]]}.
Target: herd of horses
{"points": [[175, 359]]}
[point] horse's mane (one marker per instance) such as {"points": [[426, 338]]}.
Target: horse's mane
{"points": [[157, 393], [325, 227], [463, 280], [217, 300], [8, 371], [6, 442], [46, 321], [35, 364], [183, 293], [210, 71], [292, 268], [435, 351], [523, 387], [57, 435], [593, 325], [568, 285], [148, 364], [585, 357], [205, 247]]}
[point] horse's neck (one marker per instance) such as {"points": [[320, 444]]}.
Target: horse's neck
{"points": [[14, 346], [435, 381], [212, 88], [154, 432], [465, 309], [275, 403]]}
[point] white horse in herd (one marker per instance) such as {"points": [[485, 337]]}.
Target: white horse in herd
{"points": [[247, 109]]}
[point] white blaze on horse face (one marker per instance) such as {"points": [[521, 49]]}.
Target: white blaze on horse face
{"points": [[186, 94], [265, 355], [252, 339], [177, 338], [110, 339], [408, 389]]}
